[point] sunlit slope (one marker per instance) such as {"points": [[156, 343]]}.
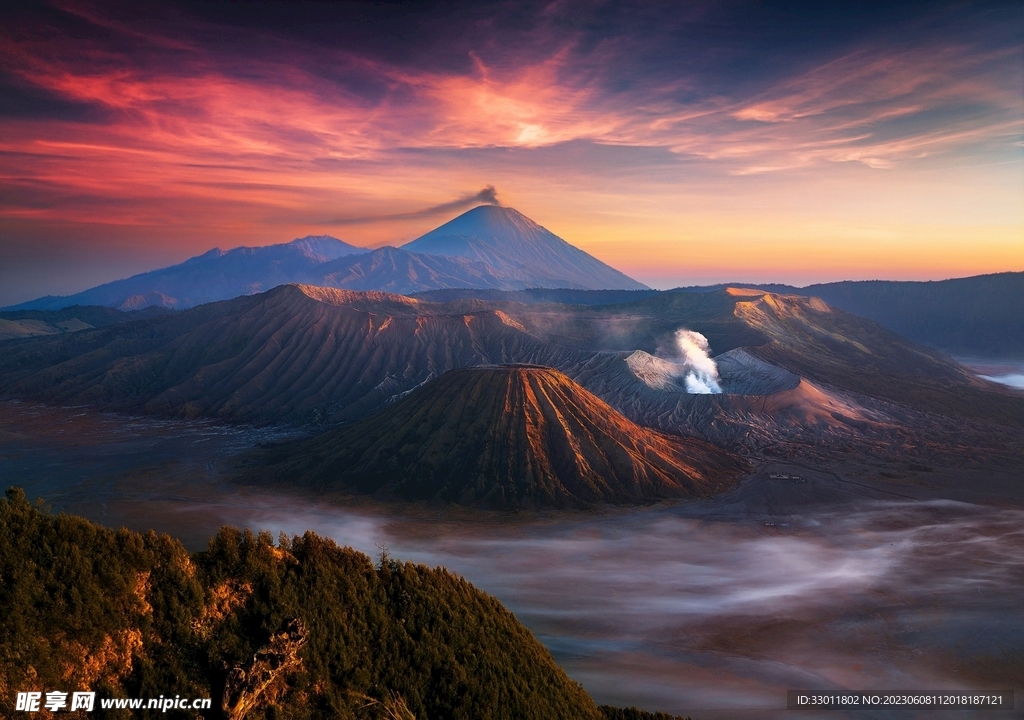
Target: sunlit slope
{"points": [[812, 339], [507, 436], [980, 316], [294, 353]]}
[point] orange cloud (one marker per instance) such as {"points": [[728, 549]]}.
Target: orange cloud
{"points": [[263, 146]]}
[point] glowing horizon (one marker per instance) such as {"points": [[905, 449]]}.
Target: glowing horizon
{"points": [[714, 143]]}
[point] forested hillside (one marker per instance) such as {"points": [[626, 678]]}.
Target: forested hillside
{"points": [[300, 628]]}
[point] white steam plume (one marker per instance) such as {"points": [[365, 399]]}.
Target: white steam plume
{"points": [[701, 371]]}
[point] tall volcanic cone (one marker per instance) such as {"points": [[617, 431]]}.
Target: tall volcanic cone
{"points": [[514, 244], [507, 436]]}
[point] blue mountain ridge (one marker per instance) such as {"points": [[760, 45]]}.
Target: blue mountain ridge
{"points": [[496, 249]]}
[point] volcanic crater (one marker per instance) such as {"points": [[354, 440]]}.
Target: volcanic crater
{"points": [[504, 436]]}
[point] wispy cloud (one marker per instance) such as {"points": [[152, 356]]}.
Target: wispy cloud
{"points": [[487, 196], [862, 105], [229, 125]]}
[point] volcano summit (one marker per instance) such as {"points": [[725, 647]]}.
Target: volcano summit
{"points": [[512, 243], [495, 248]]}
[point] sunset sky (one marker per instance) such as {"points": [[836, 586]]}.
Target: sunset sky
{"points": [[683, 143]]}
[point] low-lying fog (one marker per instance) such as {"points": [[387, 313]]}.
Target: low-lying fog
{"points": [[664, 607], [1004, 372]]}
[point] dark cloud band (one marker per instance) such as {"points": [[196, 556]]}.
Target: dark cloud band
{"points": [[487, 196]]}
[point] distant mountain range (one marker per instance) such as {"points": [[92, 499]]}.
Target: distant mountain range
{"points": [[487, 248], [981, 315], [496, 254], [214, 275]]}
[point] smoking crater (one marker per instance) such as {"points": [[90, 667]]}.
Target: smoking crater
{"points": [[700, 371]]}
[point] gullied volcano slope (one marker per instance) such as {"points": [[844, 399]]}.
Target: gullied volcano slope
{"points": [[504, 436], [816, 341], [300, 353], [294, 353]]}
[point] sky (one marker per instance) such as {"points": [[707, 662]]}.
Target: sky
{"points": [[682, 143]]}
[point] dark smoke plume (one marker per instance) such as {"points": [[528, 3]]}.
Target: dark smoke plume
{"points": [[487, 196]]}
